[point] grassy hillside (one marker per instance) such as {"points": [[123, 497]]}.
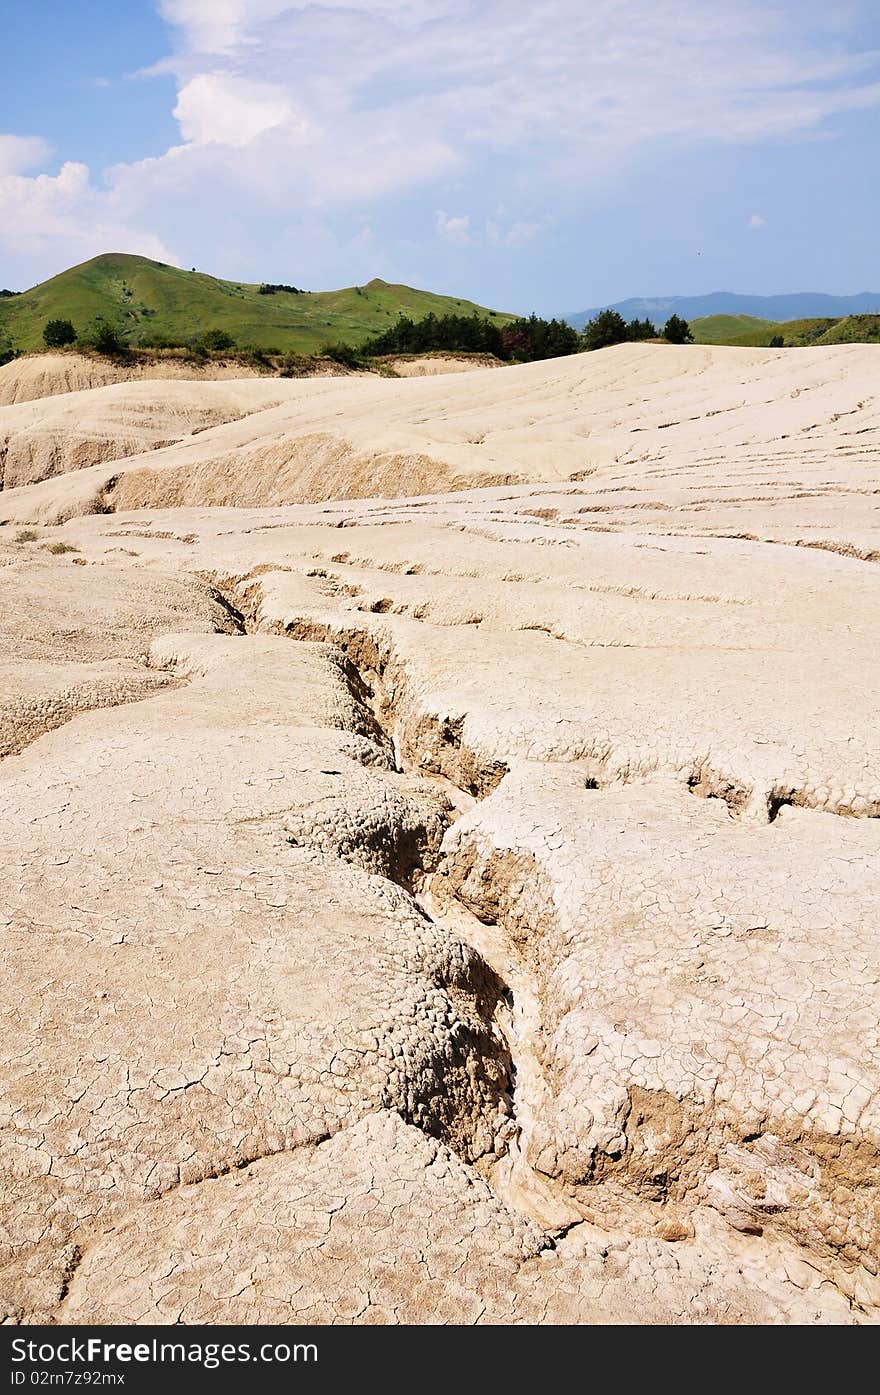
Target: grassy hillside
{"points": [[855, 329], [149, 302], [754, 333], [734, 329]]}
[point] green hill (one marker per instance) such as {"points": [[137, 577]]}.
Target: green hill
{"points": [[854, 329], [152, 304], [734, 329], [750, 332]]}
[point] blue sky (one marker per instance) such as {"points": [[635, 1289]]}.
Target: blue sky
{"points": [[531, 154]]}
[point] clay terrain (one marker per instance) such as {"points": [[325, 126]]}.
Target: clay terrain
{"points": [[441, 866]]}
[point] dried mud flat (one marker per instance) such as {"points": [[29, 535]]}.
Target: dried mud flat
{"points": [[452, 907]]}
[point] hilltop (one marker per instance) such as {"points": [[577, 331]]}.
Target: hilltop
{"points": [[151, 303]]}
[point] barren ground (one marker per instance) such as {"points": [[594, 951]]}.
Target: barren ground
{"points": [[441, 876]]}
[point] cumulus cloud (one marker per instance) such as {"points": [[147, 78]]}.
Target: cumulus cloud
{"points": [[229, 110], [64, 210], [756, 221], [20, 153]]}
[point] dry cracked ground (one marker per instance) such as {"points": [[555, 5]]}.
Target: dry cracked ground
{"points": [[441, 866]]}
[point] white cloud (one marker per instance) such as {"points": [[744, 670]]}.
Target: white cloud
{"points": [[293, 110], [20, 153], [215, 26], [216, 107], [562, 89], [454, 229], [756, 221], [64, 211], [517, 234]]}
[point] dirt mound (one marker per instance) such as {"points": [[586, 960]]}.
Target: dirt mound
{"points": [[46, 375], [53, 436]]}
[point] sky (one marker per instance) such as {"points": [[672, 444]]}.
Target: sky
{"points": [[547, 155]]}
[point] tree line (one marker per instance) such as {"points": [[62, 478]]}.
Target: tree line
{"points": [[524, 340]]}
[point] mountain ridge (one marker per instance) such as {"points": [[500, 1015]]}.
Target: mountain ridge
{"points": [[797, 305]]}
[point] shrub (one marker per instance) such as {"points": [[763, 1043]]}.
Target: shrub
{"points": [[342, 353], [777, 342], [7, 352], [216, 341], [294, 366], [26, 535], [58, 333], [257, 357], [59, 548], [106, 339]]}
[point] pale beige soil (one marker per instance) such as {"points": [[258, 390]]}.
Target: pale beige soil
{"points": [[43, 375], [48, 374], [431, 365], [457, 907]]}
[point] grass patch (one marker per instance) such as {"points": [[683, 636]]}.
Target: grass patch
{"points": [[58, 549], [26, 535]]}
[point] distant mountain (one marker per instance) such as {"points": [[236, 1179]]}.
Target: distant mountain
{"points": [[801, 306], [149, 302]]}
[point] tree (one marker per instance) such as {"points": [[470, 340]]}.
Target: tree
{"points": [[677, 331], [640, 329], [452, 333], [606, 329], [58, 333], [535, 338], [777, 342]]}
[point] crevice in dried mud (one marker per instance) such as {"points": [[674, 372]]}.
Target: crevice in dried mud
{"points": [[432, 744]]}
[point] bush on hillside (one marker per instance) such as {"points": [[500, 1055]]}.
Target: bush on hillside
{"points": [[342, 353], [216, 341], [57, 334], [7, 352], [105, 339], [777, 342], [295, 366]]}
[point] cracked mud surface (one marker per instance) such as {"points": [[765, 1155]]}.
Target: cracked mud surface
{"points": [[465, 914]]}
